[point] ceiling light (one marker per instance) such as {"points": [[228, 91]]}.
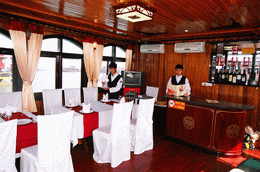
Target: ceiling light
{"points": [[186, 30], [134, 11]]}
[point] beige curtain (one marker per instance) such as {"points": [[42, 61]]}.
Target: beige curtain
{"points": [[89, 58], [98, 56], [128, 58], [27, 63]]}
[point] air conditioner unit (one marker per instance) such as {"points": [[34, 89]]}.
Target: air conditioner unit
{"points": [[152, 48], [190, 47]]}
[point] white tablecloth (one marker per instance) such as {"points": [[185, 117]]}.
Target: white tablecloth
{"points": [[105, 112]]}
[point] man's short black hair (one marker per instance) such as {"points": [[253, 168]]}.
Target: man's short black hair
{"points": [[179, 66], [112, 65]]}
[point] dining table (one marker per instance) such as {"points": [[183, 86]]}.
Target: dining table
{"points": [[83, 122], [26, 129]]}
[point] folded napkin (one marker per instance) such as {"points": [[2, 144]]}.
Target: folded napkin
{"points": [[122, 100], [8, 110], [72, 102], [86, 108], [105, 97]]}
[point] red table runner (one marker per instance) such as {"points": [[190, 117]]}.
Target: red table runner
{"points": [[110, 103], [90, 121], [26, 134]]}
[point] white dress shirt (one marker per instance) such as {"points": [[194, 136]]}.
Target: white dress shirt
{"points": [[178, 78], [119, 83]]}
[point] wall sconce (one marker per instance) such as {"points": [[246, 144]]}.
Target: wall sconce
{"points": [[95, 45]]}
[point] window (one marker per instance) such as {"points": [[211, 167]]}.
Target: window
{"points": [[60, 64], [6, 73], [45, 74], [112, 53], [5, 42], [71, 73]]}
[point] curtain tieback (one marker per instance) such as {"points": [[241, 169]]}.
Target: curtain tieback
{"points": [[89, 80], [27, 83], [95, 80]]}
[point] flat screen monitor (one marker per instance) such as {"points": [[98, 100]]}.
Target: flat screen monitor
{"points": [[132, 78]]}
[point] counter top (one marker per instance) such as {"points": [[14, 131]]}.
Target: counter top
{"points": [[206, 102]]}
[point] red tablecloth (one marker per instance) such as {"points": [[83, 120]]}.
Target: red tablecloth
{"points": [[90, 121], [26, 134]]}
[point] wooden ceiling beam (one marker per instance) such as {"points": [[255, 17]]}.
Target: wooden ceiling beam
{"points": [[17, 5], [203, 34]]}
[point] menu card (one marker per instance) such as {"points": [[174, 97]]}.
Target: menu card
{"points": [[179, 90]]}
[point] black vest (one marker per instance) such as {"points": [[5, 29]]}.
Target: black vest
{"points": [[114, 82], [182, 81]]}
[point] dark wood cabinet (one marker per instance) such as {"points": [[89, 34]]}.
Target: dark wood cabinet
{"points": [[214, 128]]}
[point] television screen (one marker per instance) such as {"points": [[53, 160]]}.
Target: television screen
{"points": [[132, 78]]}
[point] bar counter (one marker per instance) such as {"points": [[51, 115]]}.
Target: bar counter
{"points": [[215, 125]]}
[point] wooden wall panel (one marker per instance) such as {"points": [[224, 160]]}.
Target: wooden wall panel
{"points": [[158, 68]]}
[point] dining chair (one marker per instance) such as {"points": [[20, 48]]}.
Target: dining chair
{"points": [[12, 98], [152, 91], [8, 133], [72, 93], [112, 143], [53, 150], [141, 128], [90, 94], [51, 98]]}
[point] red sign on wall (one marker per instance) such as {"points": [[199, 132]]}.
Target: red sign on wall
{"points": [[176, 104]]}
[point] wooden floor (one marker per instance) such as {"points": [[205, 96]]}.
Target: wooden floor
{"points": [[168, 155]]}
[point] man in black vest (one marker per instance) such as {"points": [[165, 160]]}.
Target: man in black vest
{"points": [[115, 82], [178, 79]]}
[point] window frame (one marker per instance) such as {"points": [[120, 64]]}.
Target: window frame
{"points": [[113, 58]]}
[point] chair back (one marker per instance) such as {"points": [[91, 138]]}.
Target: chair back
{"points": [[120, 132], [152, 91], [8, 133], [90, 94], [144, 126], [12, 98], [72, 93], [54, 133], [51, 98]]}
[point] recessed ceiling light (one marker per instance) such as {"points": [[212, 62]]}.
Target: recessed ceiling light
{"points": [[186, 30]]}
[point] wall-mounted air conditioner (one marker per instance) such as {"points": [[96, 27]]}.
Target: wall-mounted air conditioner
{"points": [[152, 48], [190, 47]]}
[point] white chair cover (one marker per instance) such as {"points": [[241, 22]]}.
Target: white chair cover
{"points": [[53, 150], [72, 93], [12, 98], [112, 143], [8, 133], [152, 91], [142, 127], [90, 94], [51, 98]]}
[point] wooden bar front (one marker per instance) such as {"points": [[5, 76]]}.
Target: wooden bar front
{"points": [[216, 126]]}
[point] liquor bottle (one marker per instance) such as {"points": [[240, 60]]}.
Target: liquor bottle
{"points": [[256, 76], [252, 78], [234, 77], [243, 77], [239, 77], [230, 76], [220, 76], [223, 76], [226, 77]]}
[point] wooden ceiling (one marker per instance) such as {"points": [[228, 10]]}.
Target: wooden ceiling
{"points": [[202, 18]]}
